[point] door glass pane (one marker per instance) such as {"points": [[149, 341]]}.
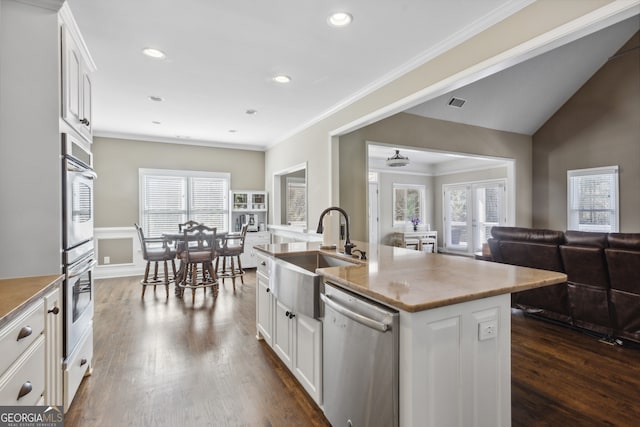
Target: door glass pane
{"points": [[489, 207], [458, 214]]}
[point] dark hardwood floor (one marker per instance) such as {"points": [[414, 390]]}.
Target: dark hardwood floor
{"points": [[166, 363]]}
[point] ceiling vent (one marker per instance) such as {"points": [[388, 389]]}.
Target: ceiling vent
{"points": [[456, 102]]}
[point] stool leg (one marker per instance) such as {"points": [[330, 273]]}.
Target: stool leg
{"points": [[194, 281], [146, 278], [240, 270], [166, 277], [233, 274]]}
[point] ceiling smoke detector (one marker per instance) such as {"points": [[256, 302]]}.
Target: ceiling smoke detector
{"points": [[397, 160], [457, 102]]}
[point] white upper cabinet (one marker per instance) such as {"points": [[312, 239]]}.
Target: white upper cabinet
{"points": [[76, 81]]}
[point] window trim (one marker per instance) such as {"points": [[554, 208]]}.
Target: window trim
{"points": [[142, 172], [572, 214]]}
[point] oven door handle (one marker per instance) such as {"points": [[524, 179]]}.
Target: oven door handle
{"points": [[88, 173], [79, 271]]}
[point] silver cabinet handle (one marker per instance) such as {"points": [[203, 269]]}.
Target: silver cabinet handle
{"points": [[25, 389], [24, 332], [371, 323]]}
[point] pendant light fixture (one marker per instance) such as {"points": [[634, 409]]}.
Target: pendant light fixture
{"points": [[397, 160]]}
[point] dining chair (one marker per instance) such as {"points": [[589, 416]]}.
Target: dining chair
{"points": [[156, 250], [197, 259], [231, 247]]}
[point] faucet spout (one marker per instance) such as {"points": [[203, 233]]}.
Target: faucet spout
{"points": [[347, 243]]}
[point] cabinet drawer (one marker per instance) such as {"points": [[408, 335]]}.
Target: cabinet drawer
{"points": [[27, 375], [264, 264], [77, 366], [30, 324]]}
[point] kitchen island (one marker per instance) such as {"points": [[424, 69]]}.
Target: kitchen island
{"points": [[454, 337]]}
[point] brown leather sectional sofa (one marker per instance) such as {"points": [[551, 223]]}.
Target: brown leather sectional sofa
{"points": [[602, 293]]}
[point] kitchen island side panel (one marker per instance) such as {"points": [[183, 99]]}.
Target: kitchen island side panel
{"points": [[455, 365]]}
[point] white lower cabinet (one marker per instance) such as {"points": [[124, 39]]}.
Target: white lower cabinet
{"points": [[53, 344], [250, 257], [77, 367], [295, 338], [283, 327], [307, 355], [31, 353], [264, 301]]}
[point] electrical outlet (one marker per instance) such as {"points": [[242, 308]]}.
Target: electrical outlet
{"points": [[487, 330], [106, 260]]}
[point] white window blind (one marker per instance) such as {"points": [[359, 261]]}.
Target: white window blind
{"points": [[592, 203], [296, 201], [168, 198]]}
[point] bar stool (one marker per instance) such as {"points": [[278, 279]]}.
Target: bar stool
{"points": [[197, 259], [151, 252], [232, 246]]}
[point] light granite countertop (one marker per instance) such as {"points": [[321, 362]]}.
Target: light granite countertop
{"points": [[17, 293], [414, 281]]}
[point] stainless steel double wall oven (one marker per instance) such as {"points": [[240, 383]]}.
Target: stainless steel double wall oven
{"points": [[79, 251]]}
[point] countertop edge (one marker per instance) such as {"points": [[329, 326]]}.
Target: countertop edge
{"points": [[43, 285]]}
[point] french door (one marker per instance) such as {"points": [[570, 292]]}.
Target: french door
{"points": [[470, 211]]}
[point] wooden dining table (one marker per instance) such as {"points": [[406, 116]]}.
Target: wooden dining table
{"points": [[178, 238]]}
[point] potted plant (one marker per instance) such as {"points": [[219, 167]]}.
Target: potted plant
{"points": [[415, 222]]}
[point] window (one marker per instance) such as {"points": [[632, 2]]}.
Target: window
{"points": [[592, 202], [168, 198], [296, 201], [408, 203]]}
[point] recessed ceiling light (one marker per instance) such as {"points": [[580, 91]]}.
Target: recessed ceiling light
{"points": [[282, 79], [251, 112], [232, 131], [155, 122], [154, 53], [156, 98], [340, 19]]}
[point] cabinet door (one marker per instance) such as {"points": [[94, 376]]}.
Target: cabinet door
{"points": [[307, 360], [53, 347], [283, 333], [85, 119], [71, 81], [264, 308]]}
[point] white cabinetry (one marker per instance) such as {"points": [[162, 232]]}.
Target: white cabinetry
{"points": [[53, 344], [249, 258], [264, 300], [295, 338], [76, 84], [307, 356], [248, 207], [31, 353]]}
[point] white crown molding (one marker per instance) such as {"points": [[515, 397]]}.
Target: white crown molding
{"points": [[454, 40], [53, 5], [165, 140]]}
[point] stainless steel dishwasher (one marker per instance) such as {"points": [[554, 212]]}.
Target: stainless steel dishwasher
{"points": [[360, 360]]}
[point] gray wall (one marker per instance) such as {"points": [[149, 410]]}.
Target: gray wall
{"points": [[30, 167], [413, 131], [598, 126], [117, 161]]}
